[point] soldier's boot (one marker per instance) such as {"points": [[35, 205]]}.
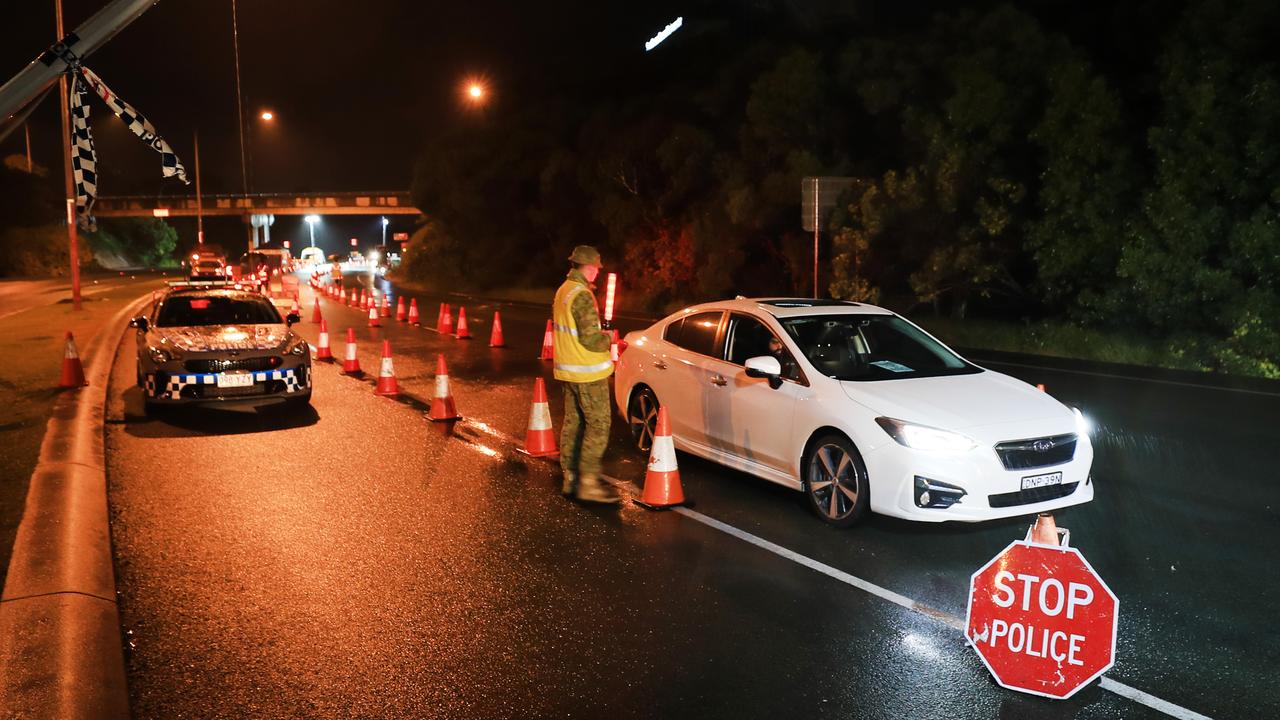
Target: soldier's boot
{"points": [[592, 490], [570, 484]]}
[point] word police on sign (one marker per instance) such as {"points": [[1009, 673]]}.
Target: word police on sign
{"points": [[1042, 620]]}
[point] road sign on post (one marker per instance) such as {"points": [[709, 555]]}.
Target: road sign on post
{"points": [[817, 200], [1042, 620]]}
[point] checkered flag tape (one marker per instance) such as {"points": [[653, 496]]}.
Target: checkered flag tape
{"points": [[84, 161], [138, 125]]}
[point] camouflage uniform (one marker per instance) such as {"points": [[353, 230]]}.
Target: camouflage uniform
{"points": [[587, 413]]}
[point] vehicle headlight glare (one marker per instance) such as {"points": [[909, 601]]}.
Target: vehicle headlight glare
{"points": [[1084, 426], [159, 355], [923, 437], [299, 347]]}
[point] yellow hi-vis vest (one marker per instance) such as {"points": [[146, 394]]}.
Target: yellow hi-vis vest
{"points": [[574, 363]]}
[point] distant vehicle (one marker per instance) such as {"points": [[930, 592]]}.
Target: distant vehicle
{"points": [[215, 344], [208, 268], [276, 261], [855, 406]]}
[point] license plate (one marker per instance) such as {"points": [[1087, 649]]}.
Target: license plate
{"points": [[1039, 481], [226, 380]]}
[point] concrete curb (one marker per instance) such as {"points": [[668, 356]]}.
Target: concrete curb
{"points": [[60, 649]]}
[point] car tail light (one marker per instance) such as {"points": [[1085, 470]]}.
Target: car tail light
{"points": [[622, 346]]}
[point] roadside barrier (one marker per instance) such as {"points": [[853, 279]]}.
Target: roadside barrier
{"points": [[322, 349], [443, 408], [351, 366], [72, 369], [548, 345], [464, 333], [495, 336], [662, 480], [540, 440], [387, 385]]}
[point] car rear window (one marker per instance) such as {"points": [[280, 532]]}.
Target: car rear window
{"points": [[696, 333], [187, 310]]}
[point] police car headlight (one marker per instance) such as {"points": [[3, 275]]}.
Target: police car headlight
{"points": [[923, 437], [162, 355], [297, 347], [1083, 425]]}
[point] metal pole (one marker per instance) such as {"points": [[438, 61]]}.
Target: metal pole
{"points": [[26, 128], [815, 237], [64, 89], [384, 234], [244, 171], [199, 197], [312, 227]]}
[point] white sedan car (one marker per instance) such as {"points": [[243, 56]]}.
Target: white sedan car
{"points": [[855, 406]]}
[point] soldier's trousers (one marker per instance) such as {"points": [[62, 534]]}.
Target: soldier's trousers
{"points": [[585, 432]]}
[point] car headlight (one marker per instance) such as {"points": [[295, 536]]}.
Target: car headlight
{"points": [[297, 347], [162, 355], [1083, 425], [923, 437]]}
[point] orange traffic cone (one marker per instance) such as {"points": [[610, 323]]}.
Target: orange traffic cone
{"points": [[413, 313], [371, 300], [548, 345], [386, 307], [373, 317], [351, 366], [1040, 387], [351, 300], [400, 316], [495, 337], [442, 405], [315, 312], [294, 309], [387, 374], [72, 370], [464, 333], [662, 480], [446, 322], [540, 440], [322, 349], [1045, 530], [440, 318]]}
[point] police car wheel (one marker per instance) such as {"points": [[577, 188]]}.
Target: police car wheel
{"points": [[835, 481], [642, 418]]}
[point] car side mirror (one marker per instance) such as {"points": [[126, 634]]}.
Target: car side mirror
{"points": [[292, 318], [139, 322], [766, 366]]}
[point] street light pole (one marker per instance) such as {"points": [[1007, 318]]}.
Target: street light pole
{"points": [[199, 197], [384, 233], [64, 92], [311, 226]]}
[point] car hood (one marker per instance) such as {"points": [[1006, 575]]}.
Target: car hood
{"points": [[958, 402], [211, 338]]}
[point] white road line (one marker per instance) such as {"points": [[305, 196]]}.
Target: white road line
{"points": [[1119, 688], [1090, 373]]}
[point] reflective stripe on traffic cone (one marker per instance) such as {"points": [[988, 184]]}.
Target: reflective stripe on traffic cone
{"points": [[316, 317], [413, 313], [400, 315], [548, 345], [446, 322], [322, 350], [442, 405], [662, 479], [351, 366], [540, 440], [387, 373], [495, 336], [72, 369], [373, 317], [464, 333], [386, 307], [351, 299]]}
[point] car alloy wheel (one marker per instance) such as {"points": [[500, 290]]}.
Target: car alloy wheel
{"points": [[642, 417], [836, 481]]}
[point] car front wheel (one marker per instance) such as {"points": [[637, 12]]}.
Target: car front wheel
{"points": [[642, 418], [835, 481]]}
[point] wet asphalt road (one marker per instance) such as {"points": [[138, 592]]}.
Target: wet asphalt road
{"points": [[356, 561]]}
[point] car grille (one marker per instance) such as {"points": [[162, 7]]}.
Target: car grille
{"points": [[217, 366], [1034, 495], [1037, 452], [213, 392]]}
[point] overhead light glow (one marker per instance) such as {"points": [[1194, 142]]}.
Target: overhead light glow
{"points": [[312, 218], [267, 115], [666, 33]]}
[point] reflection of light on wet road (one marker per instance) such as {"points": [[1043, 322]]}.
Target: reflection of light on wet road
{"points": [[921, 646]]}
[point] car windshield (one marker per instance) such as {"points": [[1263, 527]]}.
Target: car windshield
{"points": [[187, 310], [872, 347]]}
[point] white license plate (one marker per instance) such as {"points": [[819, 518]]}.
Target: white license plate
{"points": [[226, 380], [1039, 481]]}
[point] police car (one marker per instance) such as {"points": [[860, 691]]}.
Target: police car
{"points": [[856, 407], [220, 343]]}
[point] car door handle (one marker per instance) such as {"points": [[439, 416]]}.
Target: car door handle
{"points": [[660, 365], [719, 380]]}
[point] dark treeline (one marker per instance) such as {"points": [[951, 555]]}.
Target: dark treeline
{"points": [[1114, 166]]}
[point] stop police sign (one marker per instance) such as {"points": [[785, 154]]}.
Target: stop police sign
{"points": [[1042, 620]]}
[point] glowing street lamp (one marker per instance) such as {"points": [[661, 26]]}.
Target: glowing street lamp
{"points": [[475, 92], [267, 115], [385, 222], [311, 225]]}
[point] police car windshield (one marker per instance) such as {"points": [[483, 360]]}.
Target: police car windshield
{"points": [[872, 347], [189, 310]]}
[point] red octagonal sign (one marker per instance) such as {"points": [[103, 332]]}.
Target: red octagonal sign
{"points": [[1042, 620]]}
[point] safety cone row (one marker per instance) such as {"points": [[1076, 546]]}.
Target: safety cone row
{"points": [[373, 317], [540, 440], [662, 480], [323, 352], [400, 314], [548, 345], [72, 369], [443, 408], [387, 385], [351, 366], [316, 317], [495, 336], [463, 332], [413, 313]]}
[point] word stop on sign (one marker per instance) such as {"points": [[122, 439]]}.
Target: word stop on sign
{"points": [[1041, 619]]}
